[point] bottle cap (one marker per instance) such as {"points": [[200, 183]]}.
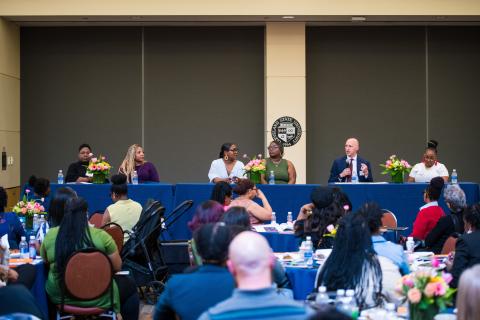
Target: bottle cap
{"points": [[60, 171], [23, 238], [410, 239], [32, 237], [322, 289], [309, 238], [350, 293], [340, 292]]}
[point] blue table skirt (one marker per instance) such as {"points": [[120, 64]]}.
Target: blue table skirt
{"points": [[38, 289], [302, 281], [281, 242]]}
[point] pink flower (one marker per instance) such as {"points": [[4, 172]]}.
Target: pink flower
{"points": [[42, 208], [346, 207], [94, 160], [388, 163], [435, 263], [27, 191], [407, 281], [103, 158], [440, 289], [93, 167], [90, 155], [330, 228], [414, 295], [430, 289], [24, 210], [447, 277]]}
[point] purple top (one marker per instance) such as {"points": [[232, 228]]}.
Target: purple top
{"points": [[147, 173]]}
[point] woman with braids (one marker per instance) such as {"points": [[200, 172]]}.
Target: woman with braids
{"points": [[353, 264], [135, 161], [317, 219], [74, 234]]}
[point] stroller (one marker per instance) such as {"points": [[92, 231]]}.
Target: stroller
{"points": [[141, 254]]}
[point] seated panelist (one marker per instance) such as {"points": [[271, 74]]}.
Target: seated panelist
{"points": [[77, 171], [351, 165], [226, 168]]}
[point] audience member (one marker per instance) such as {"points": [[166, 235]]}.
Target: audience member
{"points": [[342, 199], [250, 262], [222, 193], [247, 191], [283, 169], [431, 212], [353, 264], [373, 214], [317, 219], [73, 234], [18, 299], [238, 217], [351, 165], [22, 275], [135, 161], [9, 222], [226, 168], [449, 225], [58, 204], [429, 168], [467, 249], [124, 211], [77, 171], [185, 294], [468, 293], [330, 313], [41, 187]]}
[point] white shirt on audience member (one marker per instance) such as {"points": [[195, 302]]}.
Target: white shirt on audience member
{"points": [[218, 170], [423, 174]]}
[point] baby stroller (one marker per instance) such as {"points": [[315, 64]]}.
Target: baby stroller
{"points": [[141, 254]]}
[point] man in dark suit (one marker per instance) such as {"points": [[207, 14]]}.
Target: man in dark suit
{"points": [[351, 165]]}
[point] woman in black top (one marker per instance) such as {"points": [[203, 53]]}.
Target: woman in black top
{"points": [[449, 225], [77, 171]]}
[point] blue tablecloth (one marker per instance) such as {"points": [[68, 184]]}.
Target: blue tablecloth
{"points": [[98, 195], [38, 289], [302, 281], [281, 242]]}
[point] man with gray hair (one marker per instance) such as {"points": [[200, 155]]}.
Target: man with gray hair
{"points": [[451, 224], [251, 261]]}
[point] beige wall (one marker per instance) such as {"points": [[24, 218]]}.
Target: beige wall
{"points": [[10, 101]]}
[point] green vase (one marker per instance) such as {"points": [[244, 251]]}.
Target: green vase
{"points": [[29, 221], [98, 178], [397, 177], [255, 177], [417, 313]]}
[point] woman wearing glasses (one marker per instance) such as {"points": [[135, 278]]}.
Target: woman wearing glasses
{"points": [[283, 169], [429, 168], [226, 168]]}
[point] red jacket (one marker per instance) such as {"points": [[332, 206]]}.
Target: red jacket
{"points": [[426, 219]]}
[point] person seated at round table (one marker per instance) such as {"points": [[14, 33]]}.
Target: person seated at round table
{"points": [[226, 168], [222, 193], [135, 161], [319, 218], [23, 274], [354, 264], [468, 292], [429, 167], [247, 191], [73, 234], [9, 222], [431, 212], [124, 211], [77, 171], [283, 169]]}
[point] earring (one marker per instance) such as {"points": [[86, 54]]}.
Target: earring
{"points": [[225, 158]]}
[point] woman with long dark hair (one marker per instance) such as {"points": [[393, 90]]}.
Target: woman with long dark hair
{"points": [[74, 234], [222, 193], [226, 168]]}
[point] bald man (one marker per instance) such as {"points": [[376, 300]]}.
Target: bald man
{"points": [[351, 165], [251, 261]]}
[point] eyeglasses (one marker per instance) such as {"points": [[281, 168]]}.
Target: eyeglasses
{"points": [[272, 147], [234, 150]]}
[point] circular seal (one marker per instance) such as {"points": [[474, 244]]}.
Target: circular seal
{"points": [[287, 131]]}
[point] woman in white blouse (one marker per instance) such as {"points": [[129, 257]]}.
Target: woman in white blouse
{"points": [[429, 168], [227, 168]]}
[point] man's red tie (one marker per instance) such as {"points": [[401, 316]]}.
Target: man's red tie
{"points": [[350, 166]]}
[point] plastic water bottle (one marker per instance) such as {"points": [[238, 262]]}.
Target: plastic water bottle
{"points": [[23, 247], [351, 306], [289, 217], [354, 179], [339, 299], [308, 253], [60, 177], [410, 244], [32, 249], [134, 177], [271, 177], [454, 177], [322, 297], [274, 218], [35, 223]]}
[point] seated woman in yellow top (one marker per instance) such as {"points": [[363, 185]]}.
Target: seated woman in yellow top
{"points": [[124, 212], [283, 169]]}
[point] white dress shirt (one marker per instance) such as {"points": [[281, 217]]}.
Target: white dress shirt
{"points": [[218, 170]]}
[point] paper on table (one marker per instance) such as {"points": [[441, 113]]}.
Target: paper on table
{"points": [[4, 242]]}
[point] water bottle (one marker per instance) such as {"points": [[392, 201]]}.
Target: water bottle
{"points": [[23, 221], [271, 177], [351, 304], [35, 223], [354, 179], [410, 245], [32, 249], [454, 177], [339, 299], [308, 254], [274, 218], [23, 247], [60, 177], [322, 297], [289, 217], [134, 177]]}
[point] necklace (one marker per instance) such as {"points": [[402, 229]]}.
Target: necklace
{"points": [[276, 163]]}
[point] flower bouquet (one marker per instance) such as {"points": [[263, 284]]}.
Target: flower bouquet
{"points": [[427, 292], [27, 208], [255, 167], [98, 169], [396, 168]]}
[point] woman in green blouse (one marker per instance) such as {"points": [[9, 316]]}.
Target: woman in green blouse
{"points": [[283, 169]]}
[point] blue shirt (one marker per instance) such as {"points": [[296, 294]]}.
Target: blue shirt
{"points": [[391, 251], [11, 225]]}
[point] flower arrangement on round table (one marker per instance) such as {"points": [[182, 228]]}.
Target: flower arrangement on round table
{"points": [[427, 291], [98, 169], [255, 168], [396, 168], [27, 208]]}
